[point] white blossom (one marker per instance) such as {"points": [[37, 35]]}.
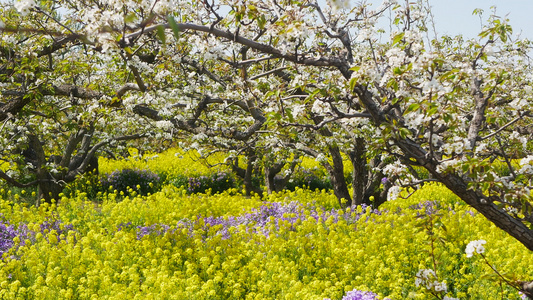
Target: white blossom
{"points": [[164, 124], [440, 286], [489, 50], [527, 165], [321, 158], [320, 107], [475, 246], [394, 169], [518, 104], [447, 164], [365, 34], [340, 4], [393, 193], [428, 279], [24, 6], [298, 110]]}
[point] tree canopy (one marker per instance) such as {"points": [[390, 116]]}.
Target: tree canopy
{"points": [[275, 77]]}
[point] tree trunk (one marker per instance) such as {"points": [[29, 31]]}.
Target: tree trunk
{"points": [[270, 179], [360, 172], [487, 208], [336, 175], [455, 183], [477, 200], [374, 181], [248, 184], [365, 183], [247, 174], [49, 188], [275, 183]]}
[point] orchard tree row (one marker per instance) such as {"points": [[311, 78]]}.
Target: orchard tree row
{"points": [[271, 81]]}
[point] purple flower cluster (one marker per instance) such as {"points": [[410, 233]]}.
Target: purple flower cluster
{"points": [[157, 229], [56, 225], [217, 182], [259, 220], [359, 295], [429, 207], [8, 233], [195, 183], [141, 181]]}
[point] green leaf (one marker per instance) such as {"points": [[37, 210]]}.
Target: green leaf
{"points": [[433, 111], [412, 107], [174, 26], [477, 11], [404, 132], [261, 22], [131, 17], [288, 112], [161, 34], [397, 38], [353, 82]]}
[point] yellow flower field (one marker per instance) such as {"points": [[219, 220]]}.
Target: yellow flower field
{"points": [[288, 245]]}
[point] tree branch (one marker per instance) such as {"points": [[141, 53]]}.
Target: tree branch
{"points": [[14, 182], [322, 61]]}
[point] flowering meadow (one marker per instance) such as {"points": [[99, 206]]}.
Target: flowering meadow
{"points": [[299, 244]]}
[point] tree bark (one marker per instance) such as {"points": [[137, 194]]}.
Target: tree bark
{"points": [[476, 199], [275, 183], [49, 187], [270, 177], [336, 175], [454, 182], [359, 172], [246, 174]]}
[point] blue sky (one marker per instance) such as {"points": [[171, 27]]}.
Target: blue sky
{"points": [[455, 16]]}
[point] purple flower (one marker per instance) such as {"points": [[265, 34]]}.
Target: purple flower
{"points": [[7, 234], [142, 181], [359, 295], [157, 229], [430, 207]]}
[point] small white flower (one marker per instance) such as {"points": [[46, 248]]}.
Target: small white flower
{"points": [[24, 6], [489, 51], [440, 286], [164, 124], [321, 158], [319, 107], [340, 4], [475, 246], [393, 193]]}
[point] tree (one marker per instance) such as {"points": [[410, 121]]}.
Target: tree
{"points": [[231, 70], [56, 110]]}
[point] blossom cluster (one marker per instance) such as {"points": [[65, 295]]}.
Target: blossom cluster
{"points": [[475, 247]]}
